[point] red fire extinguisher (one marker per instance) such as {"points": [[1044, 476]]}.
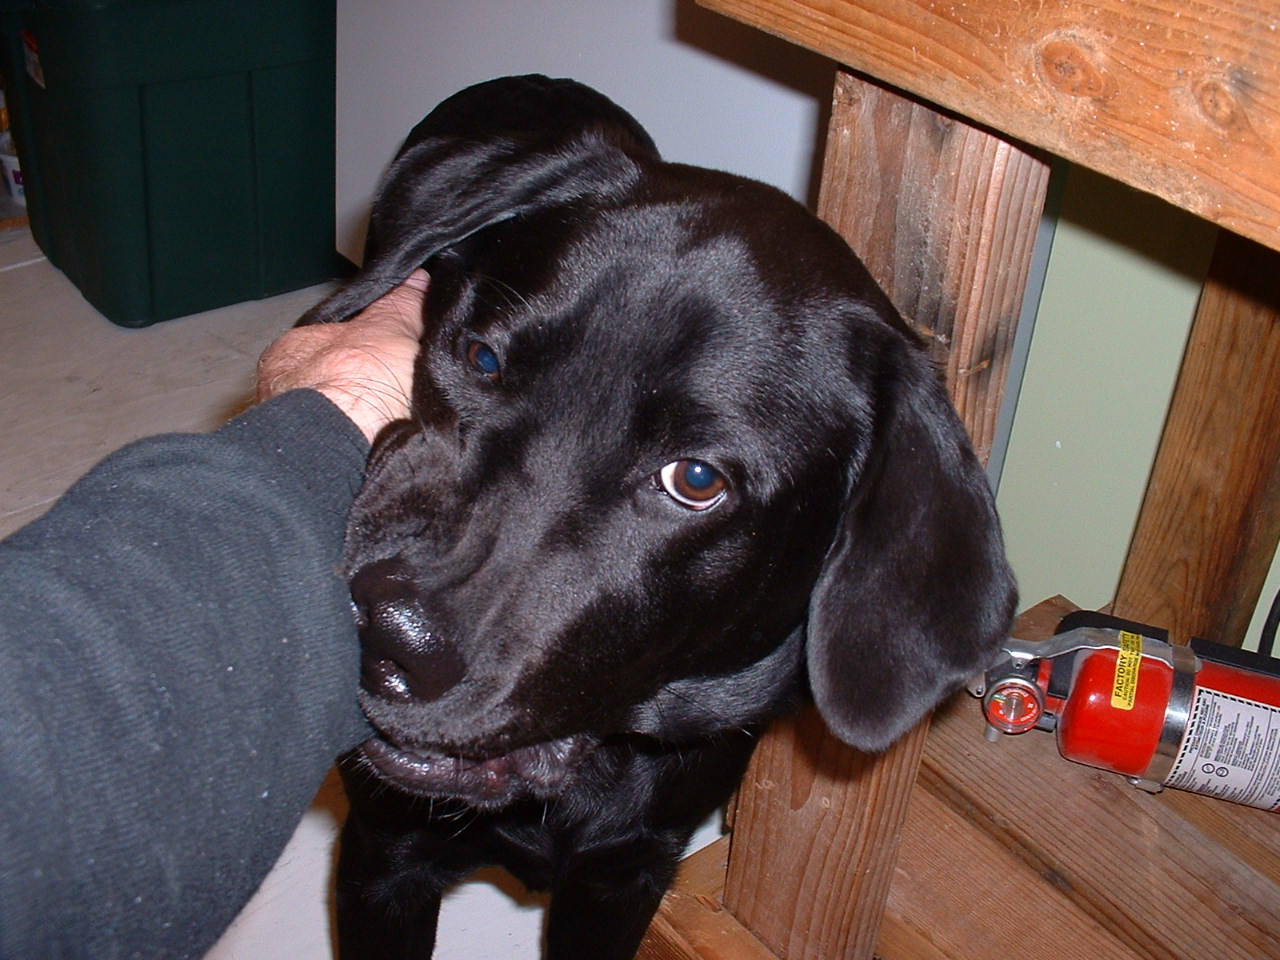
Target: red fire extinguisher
{"points": [[1204, 718]]}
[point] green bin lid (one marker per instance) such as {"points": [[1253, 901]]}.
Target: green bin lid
{"points": [[118, 43]]}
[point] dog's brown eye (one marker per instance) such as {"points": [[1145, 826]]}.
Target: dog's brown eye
{"points": [[693, 484], [484, 360]]}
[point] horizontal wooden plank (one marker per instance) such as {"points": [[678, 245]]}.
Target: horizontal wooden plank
{"points": [[936, 911], [1180, 98]]}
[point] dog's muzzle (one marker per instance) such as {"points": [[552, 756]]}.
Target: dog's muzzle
{"points": [[405, 662]]}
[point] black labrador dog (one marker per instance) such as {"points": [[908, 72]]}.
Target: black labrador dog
{"points": [[675, 463]]}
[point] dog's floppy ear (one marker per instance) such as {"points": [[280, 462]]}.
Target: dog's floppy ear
{"points": [[915, 595], [486, 154]]}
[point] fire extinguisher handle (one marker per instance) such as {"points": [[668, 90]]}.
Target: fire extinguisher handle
{"points": [[1093, 638]]}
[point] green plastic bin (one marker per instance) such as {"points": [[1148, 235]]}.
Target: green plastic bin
{"points": [[178, 155]]}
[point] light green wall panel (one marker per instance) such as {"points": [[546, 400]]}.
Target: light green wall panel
{"points": [[1264, 606], [1120, 290]]}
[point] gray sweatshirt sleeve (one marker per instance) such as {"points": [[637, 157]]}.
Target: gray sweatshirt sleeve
{"points": [[178, 668]]}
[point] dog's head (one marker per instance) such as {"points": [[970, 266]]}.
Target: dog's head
{"points": [[672, 449]]}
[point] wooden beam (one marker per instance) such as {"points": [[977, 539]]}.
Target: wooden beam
{"points": [[815, 838], [1210, 522], [1181, 99], [945, 216]]}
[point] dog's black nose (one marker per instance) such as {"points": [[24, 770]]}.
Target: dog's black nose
{"points": [[403, 657]]}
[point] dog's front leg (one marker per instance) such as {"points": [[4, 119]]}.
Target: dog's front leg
{"points": [[394, 931], [595, 923], [387, 909]]}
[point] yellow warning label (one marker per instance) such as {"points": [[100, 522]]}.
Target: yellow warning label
{"points": [[1124, 692]]}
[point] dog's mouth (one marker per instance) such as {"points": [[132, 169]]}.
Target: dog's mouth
{"points": [[539, 771]]}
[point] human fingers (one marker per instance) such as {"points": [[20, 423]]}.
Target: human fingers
{"points": [[364, 365]]}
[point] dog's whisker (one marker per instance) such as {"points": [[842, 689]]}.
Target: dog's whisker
{"points": [[513, 296], [463, 825]]}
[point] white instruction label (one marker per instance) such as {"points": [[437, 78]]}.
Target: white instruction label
{"points": [[1231, 750]]}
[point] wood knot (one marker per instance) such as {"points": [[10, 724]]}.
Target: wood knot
{"points": [[1220, 105], [1072, 69]]}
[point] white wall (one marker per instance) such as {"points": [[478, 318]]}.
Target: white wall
{"points": [[710, 91]]}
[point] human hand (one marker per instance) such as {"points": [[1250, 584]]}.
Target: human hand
{"points": [[364, 365]]}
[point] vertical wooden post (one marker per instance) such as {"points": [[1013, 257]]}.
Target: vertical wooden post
{"points": [[945, 216], [1210, 521]]}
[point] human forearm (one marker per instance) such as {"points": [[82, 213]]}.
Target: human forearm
{"points": [[179, 668]]}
